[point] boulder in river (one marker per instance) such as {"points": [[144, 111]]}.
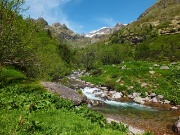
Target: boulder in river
{"points": [[117, 95], [96, 102], [138, 100]]}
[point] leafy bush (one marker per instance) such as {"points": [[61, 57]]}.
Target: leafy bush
{"points": [[10, 75], [110, 84], [97, 72]]}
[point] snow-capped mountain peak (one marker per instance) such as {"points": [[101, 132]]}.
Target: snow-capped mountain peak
{"points": [[104, 31], [101, 31]]}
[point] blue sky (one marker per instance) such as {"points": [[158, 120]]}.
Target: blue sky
{"points": [[87, 15]]}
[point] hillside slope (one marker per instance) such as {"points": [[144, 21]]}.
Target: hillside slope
{"points": [[163, 18], [165, 14]]}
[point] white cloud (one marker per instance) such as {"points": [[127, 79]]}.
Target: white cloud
{"points": [[51, 11]]}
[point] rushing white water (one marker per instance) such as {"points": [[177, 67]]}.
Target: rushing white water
{"points": [[92, 94]]}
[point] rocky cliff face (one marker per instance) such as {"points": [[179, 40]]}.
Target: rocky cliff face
{"points": [[63, 33]]}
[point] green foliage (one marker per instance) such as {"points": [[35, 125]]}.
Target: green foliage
{"points": [[163, 25], [80, 92], [26, 46], [161, 48], [147, 133], [97, 72], [96, 55], [15, 35], [50, 64], [26, 108], [10, 75]]}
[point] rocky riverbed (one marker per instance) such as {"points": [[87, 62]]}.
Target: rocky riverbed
{"points": [[151, 99]]}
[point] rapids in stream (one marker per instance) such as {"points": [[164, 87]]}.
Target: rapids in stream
{"points": [[159, 119], [155, 119]]}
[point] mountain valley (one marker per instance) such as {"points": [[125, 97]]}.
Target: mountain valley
{"points": [[106, 82]]}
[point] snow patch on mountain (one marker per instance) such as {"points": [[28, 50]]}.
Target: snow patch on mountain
{"points": [[101, 31], [105, 30]]}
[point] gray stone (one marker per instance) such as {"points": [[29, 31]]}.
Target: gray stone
{"points": [[88, 83], [83, 81], [173, 63], [174, 108], [146, 99], [96, 102], [123, 67], [152, 94], [136, 94], [104, 95], [150, 67], [152, 72], [144, 84], [130, 96], [166, 101], [117, 95], [130, 87], [103, 88], [160, 96], [176, 126], [146, 93], [164, 67], [154, 100], [138, 100], [156, 65], [65, 92]]}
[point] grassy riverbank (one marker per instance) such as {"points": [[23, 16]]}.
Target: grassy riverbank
{"points": [[27, 108], [139, 76]]}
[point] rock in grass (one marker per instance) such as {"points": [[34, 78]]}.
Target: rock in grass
{"points": [[164, 67], [160, 96], [152, 72], [144, 84], [166, 101], [156, 65], [152, 95]]}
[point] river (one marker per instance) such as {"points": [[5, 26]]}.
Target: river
{"points": [[156, 119]]}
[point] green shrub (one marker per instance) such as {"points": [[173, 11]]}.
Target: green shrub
{"points": [[97, 72], [110, 84]]}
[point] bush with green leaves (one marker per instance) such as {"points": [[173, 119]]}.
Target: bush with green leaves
{"points": [[25, 45]]}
